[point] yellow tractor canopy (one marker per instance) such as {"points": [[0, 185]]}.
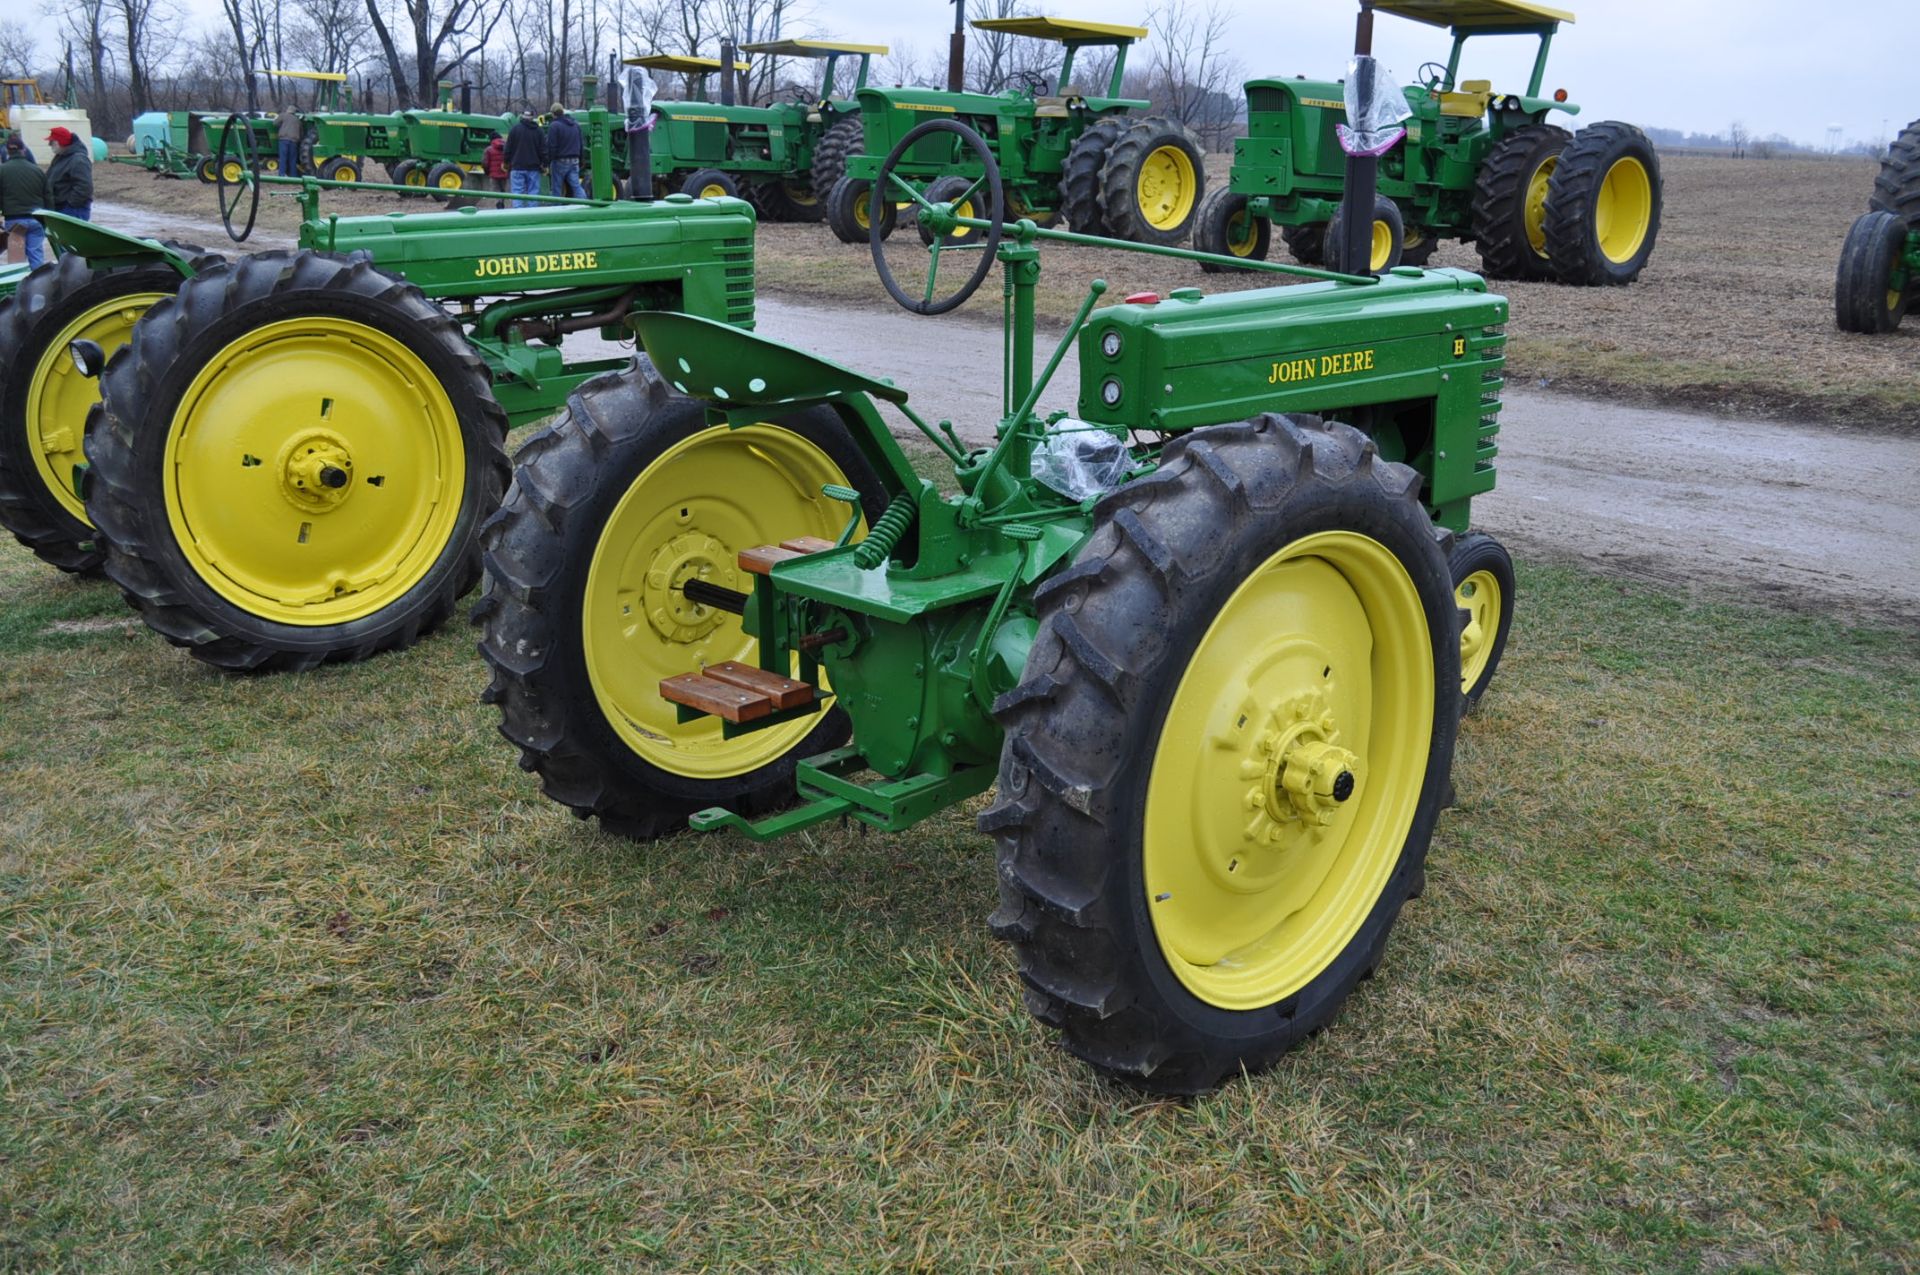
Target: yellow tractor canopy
{"points": [[1474, 15], [330, 77], [684, 63], [1061, 29], [813, 49]]}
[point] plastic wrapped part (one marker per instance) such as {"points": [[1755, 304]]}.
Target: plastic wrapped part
{"points": [[639, 99], [1080, 461], [1375, 107]]}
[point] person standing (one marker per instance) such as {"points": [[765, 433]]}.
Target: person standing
{"points": [[526, 155], [288, 136], [495, 162], [23, 191], [70, 176], [563, 154]]}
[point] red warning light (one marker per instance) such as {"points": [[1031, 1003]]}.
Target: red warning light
{"points": [[1559, 95]]}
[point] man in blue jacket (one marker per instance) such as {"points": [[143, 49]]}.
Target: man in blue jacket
{"points": [[526, 155], [563, 154]]}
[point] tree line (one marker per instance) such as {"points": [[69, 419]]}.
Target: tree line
{"points": [[126, 57]]}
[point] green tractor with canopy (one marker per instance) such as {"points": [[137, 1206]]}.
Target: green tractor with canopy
{"points": [[338, 143], [1476, 164], [1209, 634], [288, 459], [1061, 152], [1879, 275]]}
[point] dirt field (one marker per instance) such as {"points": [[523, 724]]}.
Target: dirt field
{"points": [[1735, 313]]}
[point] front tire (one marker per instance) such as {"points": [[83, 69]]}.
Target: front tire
{"points": [[1384, 244], [291, 463], [628, 492], [1873, 288], [849, 209], [1483, 594], [1226, 755], [1226, 228], [710, 183]]}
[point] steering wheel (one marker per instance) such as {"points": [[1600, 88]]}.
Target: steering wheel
{"points": [[1034, 84], [931, 214], [1432, 75], [233, 194]]}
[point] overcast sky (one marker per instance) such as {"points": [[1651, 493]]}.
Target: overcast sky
{"points": [[1778, 66]]}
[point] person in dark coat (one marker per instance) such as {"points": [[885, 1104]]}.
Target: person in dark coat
{"points": [[23, 191], [563, 154], [288, 136], [526, 154], [70, 176]]}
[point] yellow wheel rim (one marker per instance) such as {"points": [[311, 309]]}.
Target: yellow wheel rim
{"points": [[451, 181], [1382, 247], [1315, 678], [59, 396], [798, 194], [232, 170], [712, 190], [314, 471], [345, 173], [414, 177], [1166, 187], [1243, 234], [1535, 211], [687, 516], [962, 209], [862, 215], [1623, 210], [1479, 596]]}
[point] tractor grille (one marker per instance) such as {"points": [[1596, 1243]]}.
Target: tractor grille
{"points": [[738, 256], [1492, 345]]}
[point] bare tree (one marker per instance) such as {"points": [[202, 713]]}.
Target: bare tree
{"points": [[1195, 79], [1738, 135], [997, 61], [83, 26], [18, 49], [446, 35], [150, 35]]}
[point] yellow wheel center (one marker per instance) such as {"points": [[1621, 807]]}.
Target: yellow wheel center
{"points": [[232, 171], [1535, 212], [687, 516], [712, 190], [1479, 596], [314, 471], [452, 181], [1165, 187], [1242, 234], [1382, 247], [1288, 770], [862, 213], [59, 396], [1623, 210]]}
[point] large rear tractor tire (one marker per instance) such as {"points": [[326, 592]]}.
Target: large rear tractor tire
{"points": [[785, 201], [1080, 176], [1510, 202], [1483, 594], [849, 210], [1384, 245], [1225, 758], [1603, 206], [291, 463], [629, 494], [1896, 189], [45, 398], [1874, 286], [1152, 183], [1226, 228], [848, 137]]}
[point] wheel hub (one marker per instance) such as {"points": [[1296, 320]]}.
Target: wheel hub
{"points": [[690, 555], [1299, 778], [316, 471]]}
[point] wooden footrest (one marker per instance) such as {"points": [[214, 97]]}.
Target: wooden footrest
{"points": [[783, 691], [759, 560]]}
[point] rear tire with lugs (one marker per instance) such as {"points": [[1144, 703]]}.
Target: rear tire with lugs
{"points": [[1212, 804], [1603, 206], [1896, 188]]}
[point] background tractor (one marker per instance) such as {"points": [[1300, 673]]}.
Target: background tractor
{"points": [[769, 155], [1205, 633], [293, 451], [1879, 275], [1059, 151], [1475, 164]]}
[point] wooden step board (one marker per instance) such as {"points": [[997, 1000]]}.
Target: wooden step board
{"points": [[759, 561], [735, 691]]}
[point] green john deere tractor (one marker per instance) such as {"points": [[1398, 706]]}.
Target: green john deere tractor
{"points": [[1060, 152], [776, 156], [1475, 164], [338, 143], [1211, 633], [293, 451], [1879, 275]]}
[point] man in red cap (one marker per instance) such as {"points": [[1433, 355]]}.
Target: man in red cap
{"points": [[70, 175]]}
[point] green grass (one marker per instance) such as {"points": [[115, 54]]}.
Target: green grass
{"points": [[302, 971]]}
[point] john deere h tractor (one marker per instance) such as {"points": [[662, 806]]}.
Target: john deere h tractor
{"points": [[1209, 634], [293, 451], [1879, 276], [1061, 152], [776, 157], [1475, 164]]}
